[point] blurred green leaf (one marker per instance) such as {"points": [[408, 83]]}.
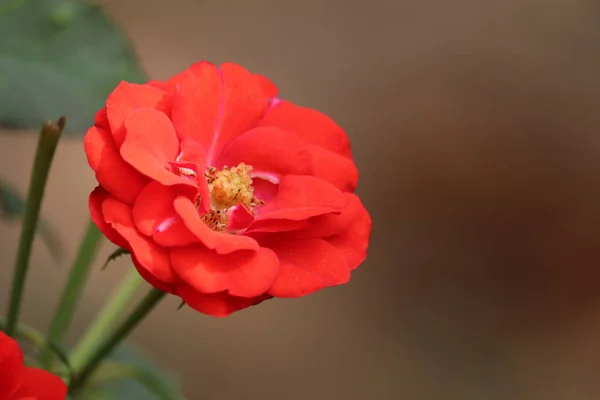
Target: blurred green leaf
{"points": [[12, 205], [128, 374], [59, 57]]}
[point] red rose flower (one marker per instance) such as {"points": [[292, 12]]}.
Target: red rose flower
{"points": [[18, 382], [224, 194]]}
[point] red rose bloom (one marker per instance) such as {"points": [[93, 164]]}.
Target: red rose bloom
{"points": [[224, 194], [18, 382]]}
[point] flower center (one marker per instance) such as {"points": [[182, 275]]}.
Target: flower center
{"points": [[229, 188]]}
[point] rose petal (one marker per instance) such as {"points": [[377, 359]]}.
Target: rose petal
{"points": [[197, 102], [268, 87], [193, 152], [324, 226], [311, 125], [128, 97], [242, 273], [292, 214], [348, 232], [157, 84], [279, 225], [287, 220], [151, 279], [95, 201], [149, 255], [214, 106], [268, 150], [354, 241], [11, 366], [150, 144], [239, 218], [217, 304], [243, 104], [222, 243], [154, 215], [307, 266], [264, 189], [40, 384], [101, 120], [334, 168], [114, 174], [297, 191], [299, 198]]}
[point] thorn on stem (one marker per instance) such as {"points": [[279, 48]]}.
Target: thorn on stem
{"points": [[115, 254]]}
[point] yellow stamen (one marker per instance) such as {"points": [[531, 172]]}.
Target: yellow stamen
{"points": [[228, 187], [231, 186], [216, 220]]}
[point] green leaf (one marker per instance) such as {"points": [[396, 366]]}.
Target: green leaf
{"points": [[100, 394], [12, 205], [128, 374], [59, 58]]}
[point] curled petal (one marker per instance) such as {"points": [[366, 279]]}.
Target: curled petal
{"points": [[264, 189], [114, 174], [216, 304], [222, 243], [128, 97], [149, 255], [239, 217], [306, 266], [150, 144], [268, 150], [311, 125], [96, 200], [242, 273], [275, 225], [291, 214], [296, 191], [299, 198], [154, 215], [40, 384], [329, 225]]}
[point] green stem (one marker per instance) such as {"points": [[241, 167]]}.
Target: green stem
{"points": [[104, 323], [108, 345], [25, 332], [49, 136], [72, 291]]}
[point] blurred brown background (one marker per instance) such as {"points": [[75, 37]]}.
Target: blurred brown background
{"points": [[475, 129]]}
